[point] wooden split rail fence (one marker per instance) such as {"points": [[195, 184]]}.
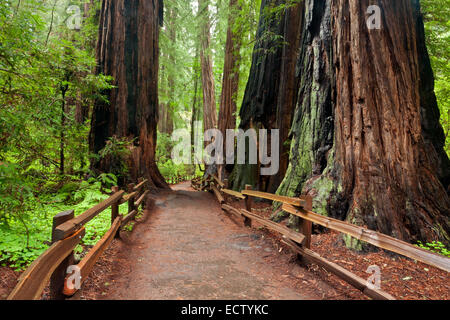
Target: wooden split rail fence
{"points": [[67, 232], [300, 242]]}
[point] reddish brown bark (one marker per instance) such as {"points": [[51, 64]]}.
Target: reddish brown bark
{"points": [[367, 142], [269, 98], [230, 82], [289, 84], [165, 122], [387, 171], [209, 95], [128, 51]]}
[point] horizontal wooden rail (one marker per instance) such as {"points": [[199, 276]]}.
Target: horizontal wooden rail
{"points": [[233, 193], [69, 227], [127, 197], [215, 178], [352, 279], [219, 196], [232, 210], [37, 276], [289, 233], [129, 217], [141, 199], [140, 185], [263, 195], [87, 264], [374, 238]]}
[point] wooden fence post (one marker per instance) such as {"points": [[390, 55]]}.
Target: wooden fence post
{"points": [[305, 225], [225, 186], [115, 210], [248, 206], [131, 200], [58, 277]]}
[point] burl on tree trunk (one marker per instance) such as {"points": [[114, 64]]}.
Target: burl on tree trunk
{"points": [[367, 141], [128, 51]]}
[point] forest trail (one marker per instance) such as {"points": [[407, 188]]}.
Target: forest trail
{"points": [[189, 249]]}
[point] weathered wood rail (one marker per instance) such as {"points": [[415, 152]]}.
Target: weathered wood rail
{"points": [[67, 233], [300, 242]]}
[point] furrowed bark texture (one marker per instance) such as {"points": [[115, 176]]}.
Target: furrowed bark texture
{"points": [[288, 90], [170, 78], [209, 95], [165, 122], [128, 51], [385, 166], [271, 71], [312, 131], [230, 82], [378, 157]]}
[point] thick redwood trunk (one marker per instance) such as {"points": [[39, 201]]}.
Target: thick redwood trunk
{"points": [[165, 122], [264, 106], [288, 90], [312, 132], [367, 142], [128, 51], [230, 83], [209, 95], [387, 170]]}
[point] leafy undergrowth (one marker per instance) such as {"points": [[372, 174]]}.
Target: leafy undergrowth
{"points": [[436, 247], [17, 250]]}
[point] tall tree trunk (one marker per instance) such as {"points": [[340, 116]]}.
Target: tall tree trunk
{"points": [[62, 138], [230, 82], [288, 90], [162, 118], [165, 122], [209, 95], [196, 112], [128, 51], [82, 105], [263, 107], [81, 109], [366, 138], [171, 25]]}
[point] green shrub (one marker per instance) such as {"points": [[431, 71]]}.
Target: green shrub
{"points": [[23, 240], [435, 246]]}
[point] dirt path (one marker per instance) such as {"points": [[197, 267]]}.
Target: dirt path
{"points": [[189, 249]]}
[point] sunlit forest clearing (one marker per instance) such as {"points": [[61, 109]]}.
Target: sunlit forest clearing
{"points": [[90, 98]]}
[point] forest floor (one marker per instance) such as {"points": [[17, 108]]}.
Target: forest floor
{"points": [[186, 247]]}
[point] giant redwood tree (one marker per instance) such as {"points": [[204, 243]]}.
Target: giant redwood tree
{"points": [[230, 82], [271, 92], [128, 51], [366, 137], [209, 95]]}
